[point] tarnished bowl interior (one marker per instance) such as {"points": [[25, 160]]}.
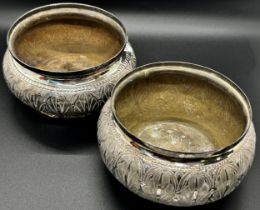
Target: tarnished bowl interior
{"points": [[181, 109], [66, 39]]}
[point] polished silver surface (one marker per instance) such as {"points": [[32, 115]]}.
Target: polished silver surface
{"points": [[170, 177], [65, 94]]}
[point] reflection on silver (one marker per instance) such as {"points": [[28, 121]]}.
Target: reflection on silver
{"points": [[178, 179], [66, 94]]}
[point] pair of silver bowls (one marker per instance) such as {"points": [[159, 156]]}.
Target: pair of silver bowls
{"points": [[172, 132]]}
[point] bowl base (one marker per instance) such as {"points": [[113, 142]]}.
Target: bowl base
{"points": [[176, 135]]}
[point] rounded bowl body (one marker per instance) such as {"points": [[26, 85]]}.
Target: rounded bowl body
{"points": [[170, 177], [66, 94]]}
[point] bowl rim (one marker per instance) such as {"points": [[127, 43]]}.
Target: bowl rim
{"points": [[176, 154], [82, 72]]}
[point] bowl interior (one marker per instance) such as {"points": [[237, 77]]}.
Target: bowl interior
{"points": [[66, 42], [179, 111]]}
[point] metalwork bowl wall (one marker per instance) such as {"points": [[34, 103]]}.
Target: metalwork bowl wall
{"points": [[65, 98], [170, 177], [66, 93]]}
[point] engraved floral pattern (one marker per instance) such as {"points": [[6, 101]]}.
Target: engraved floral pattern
{"points": [[65, 98], [169, 182]]}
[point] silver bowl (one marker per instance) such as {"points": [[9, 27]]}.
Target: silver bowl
{"points": [[64, 59], [177, 133]]}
